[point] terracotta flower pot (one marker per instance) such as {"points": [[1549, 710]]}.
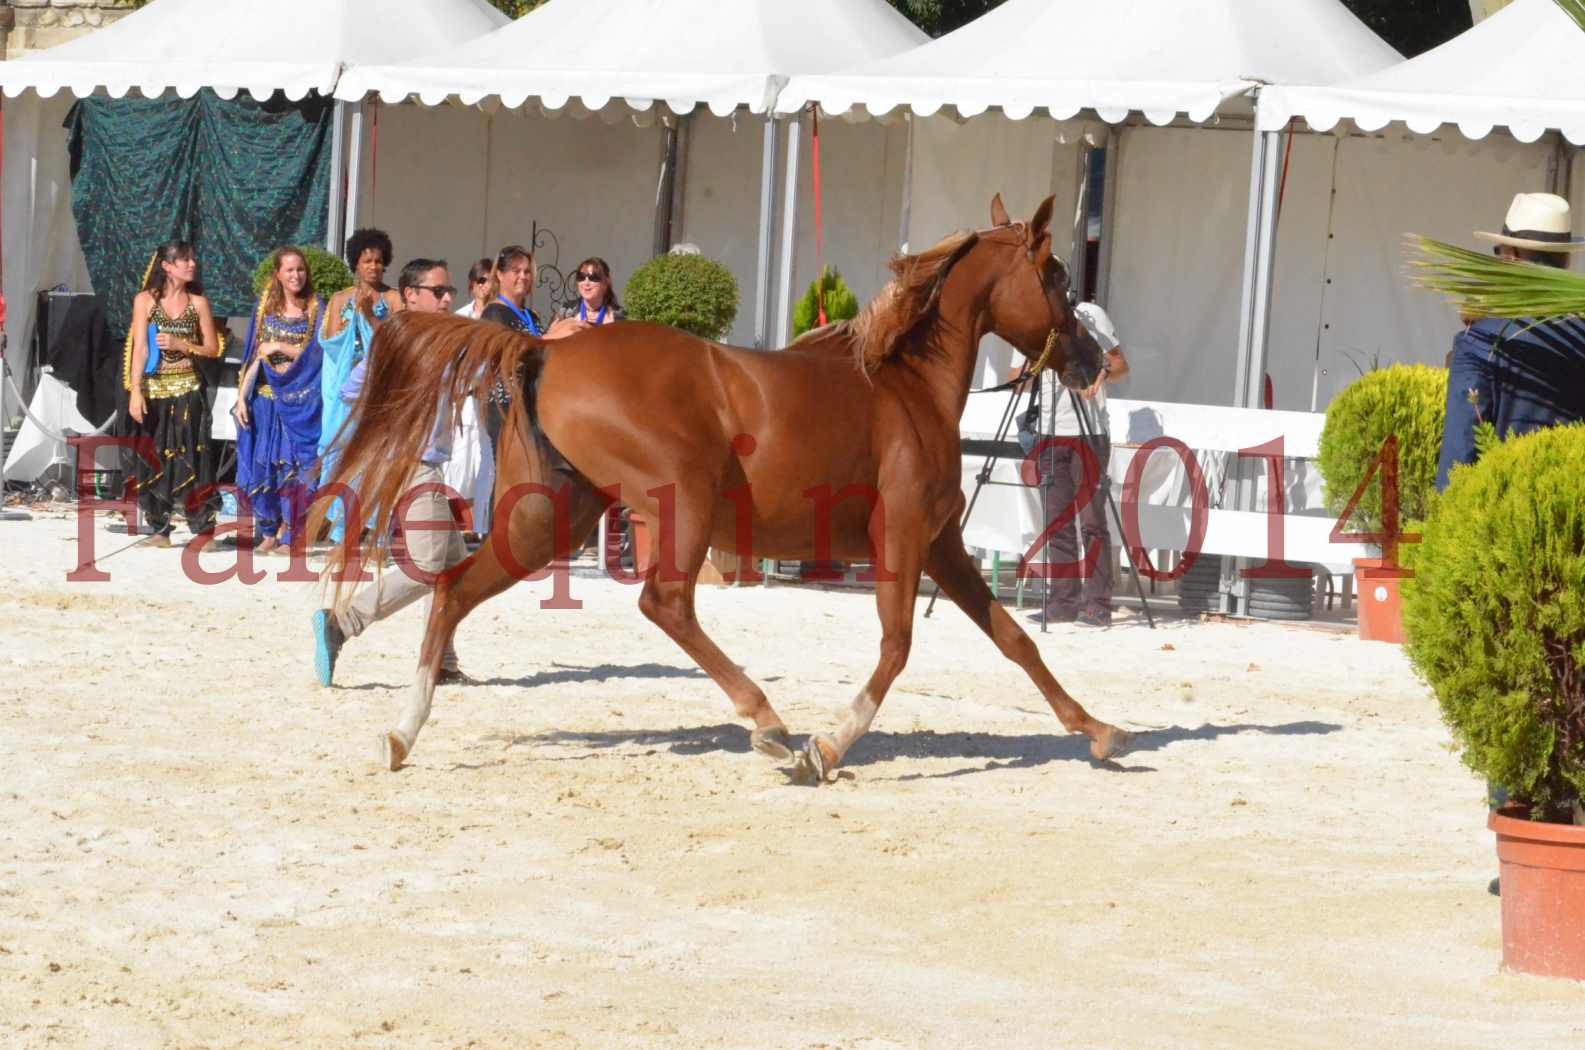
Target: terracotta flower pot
{"points": [[1542, 867], [1380, 605]]}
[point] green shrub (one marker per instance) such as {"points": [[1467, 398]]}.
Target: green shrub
{"points": [[327, 274], [690, 292], [1494, 616], [841, 305], [1406, 401]]}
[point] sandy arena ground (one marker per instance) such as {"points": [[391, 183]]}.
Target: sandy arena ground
{"points": [[196, 850]]}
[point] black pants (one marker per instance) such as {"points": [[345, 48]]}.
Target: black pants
{"points": [[1078, 579], [181, 476]]}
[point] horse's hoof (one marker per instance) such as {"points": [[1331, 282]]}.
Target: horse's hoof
{"points": [[813, 767], [393, 751], [774, 743], [1112, 744]]}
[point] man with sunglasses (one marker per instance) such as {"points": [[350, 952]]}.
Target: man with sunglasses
{"points": [[425, 287]]}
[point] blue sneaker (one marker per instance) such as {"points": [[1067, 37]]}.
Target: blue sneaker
{"points": [[328, 640]]}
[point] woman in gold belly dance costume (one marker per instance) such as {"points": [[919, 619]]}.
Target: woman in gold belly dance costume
{"points": [[171, 326]]}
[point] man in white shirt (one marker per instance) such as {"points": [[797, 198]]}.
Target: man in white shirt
{"points": [[1079, 587]]}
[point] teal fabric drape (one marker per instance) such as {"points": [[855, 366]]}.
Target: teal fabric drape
{"points": [[237, 178]]}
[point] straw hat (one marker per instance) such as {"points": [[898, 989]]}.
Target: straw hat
{"points": [[1539, 222]]}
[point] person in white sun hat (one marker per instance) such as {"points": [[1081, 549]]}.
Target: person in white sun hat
{"points": [[1511, 372]]}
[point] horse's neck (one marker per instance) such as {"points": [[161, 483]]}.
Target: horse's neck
{"points": [[952, 341]]}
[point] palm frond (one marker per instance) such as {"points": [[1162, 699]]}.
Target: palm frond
{"points": [[1575, 9], [1482, 285]]}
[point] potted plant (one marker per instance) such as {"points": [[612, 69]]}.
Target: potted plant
{"points": [[830, 291], [1378, 453], [686, 291], [1495, 618]]}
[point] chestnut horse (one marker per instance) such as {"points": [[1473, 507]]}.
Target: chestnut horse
{"points": [[845, 445]]}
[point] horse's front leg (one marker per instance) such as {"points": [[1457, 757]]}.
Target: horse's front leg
{"points": [[951, 567], [895, 590]]}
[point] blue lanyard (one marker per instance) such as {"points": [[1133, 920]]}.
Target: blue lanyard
{"points": [[522, 315], [583, 313]]}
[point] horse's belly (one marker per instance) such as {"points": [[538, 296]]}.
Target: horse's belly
{"points": [[835, 530]]}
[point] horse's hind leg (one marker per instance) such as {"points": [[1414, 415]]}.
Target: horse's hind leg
{"points": [[528, 536], [668, 601], [950, 566]]}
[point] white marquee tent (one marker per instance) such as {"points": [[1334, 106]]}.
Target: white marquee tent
{"points": [[1520, 69], [295, 46], [1180, 238], [513, 166], [1413, 153]]}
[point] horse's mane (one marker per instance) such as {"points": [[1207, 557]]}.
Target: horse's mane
{"points": [[878, 332]]}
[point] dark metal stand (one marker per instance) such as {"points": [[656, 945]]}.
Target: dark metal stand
{"points": [[993, 452]]}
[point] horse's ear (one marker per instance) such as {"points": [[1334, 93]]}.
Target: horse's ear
{"points": [[1040, 249], [999, 216], [1042, 220]]}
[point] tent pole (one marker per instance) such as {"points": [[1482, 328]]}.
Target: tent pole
{"points": [[905, 215], [1259, 243], [679, 179], [1078, 260], [767, 208], [665, 186], [1254, 326], [338, 123], [789, 235], [354, 163], [1112, 160]]}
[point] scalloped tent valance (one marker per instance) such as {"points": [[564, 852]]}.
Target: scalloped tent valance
{"points": [[1160, 58], [1519, 69], [682, 53], [294, 46]]}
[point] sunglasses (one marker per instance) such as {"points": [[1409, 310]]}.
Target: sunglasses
{"points": [[439, 291], [480, 280], [590, 275]]}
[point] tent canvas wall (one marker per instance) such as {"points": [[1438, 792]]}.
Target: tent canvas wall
{"points": [[1340, 302], [652, 55], [294, 46], [1163, 61]]}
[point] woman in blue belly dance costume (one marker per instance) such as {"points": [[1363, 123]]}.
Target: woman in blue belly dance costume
{"points": [[278, 403], [345, 335]]}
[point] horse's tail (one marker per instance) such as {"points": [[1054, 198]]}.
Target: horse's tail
{"points": [[416, 364]]}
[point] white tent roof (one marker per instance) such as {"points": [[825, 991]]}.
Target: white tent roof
{"points": [[1522, 68], [296, 46], [1160, 57], [682, 52]]}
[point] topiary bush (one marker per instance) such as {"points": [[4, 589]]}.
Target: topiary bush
{"points": [[690, 292], [1409, 401], [1494, 616], [841, 304], [327, 274]]}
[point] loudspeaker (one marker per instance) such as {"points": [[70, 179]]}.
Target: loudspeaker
{"points": [[56, 308]]}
